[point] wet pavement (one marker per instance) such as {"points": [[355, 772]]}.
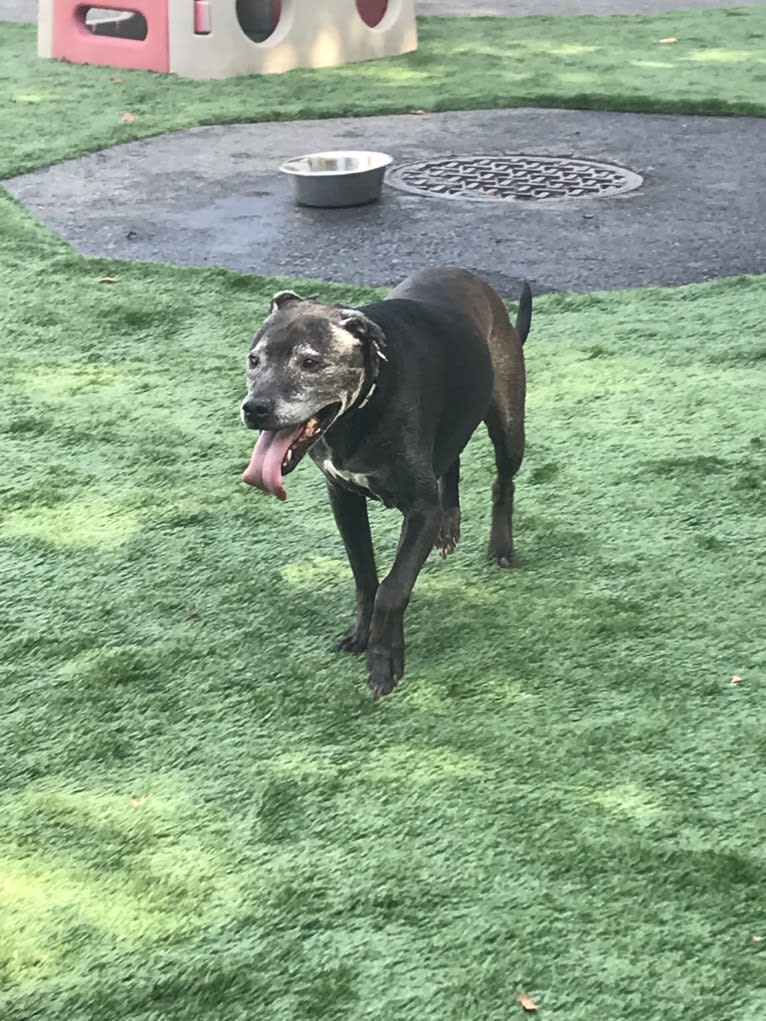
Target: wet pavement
{"points": [[213, 196]]}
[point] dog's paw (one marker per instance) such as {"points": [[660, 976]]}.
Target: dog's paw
{"points": [[449, 533], [502, 557], [384, 670], [352, 643]]}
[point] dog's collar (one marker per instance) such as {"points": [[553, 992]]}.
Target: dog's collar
{"points": [[378, 357], [370, 392]]}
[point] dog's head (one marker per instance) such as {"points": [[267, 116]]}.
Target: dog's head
{"points": [[307, 365]]}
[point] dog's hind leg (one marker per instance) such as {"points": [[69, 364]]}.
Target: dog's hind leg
{"points": [[350, 511], [449, 530], [507, 435], [505, 417]]}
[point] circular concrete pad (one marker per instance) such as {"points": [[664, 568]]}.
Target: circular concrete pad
{"points": [[214, 197]]}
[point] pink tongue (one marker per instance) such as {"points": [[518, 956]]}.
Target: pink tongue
{"points": [[265, 468]]}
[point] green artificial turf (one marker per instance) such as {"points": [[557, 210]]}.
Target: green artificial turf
{"points": [[50, 110], [205, 816]]}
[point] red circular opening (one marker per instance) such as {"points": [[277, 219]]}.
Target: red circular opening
{"points": [[371, 11]]}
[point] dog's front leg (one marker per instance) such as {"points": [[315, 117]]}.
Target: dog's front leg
{"points": [[350, 510], [385, 655]]}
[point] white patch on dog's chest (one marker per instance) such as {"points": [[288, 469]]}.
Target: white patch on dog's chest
{"points": [[353, 477]]}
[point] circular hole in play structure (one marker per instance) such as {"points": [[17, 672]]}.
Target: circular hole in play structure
{"points": [[258, 18], [371, 11]]}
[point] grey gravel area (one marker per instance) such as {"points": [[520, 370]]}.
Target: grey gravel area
{"points": [[214, 197], [18, 10]]}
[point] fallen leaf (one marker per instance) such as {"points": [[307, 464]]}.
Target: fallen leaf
{"points": [[116, 80], [417, 111], [109, 280], [527, 1003], [736, 681], [755, 939], [129, 117], [135, 802], [669, 41]]}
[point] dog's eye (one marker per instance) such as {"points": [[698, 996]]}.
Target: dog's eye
{"points": [[252, 361], [310, 363]]}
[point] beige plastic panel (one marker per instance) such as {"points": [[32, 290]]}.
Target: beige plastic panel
{"points": [[310, 33], [45, 28]]}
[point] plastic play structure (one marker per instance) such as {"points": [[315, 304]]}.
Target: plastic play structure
{"points": [[222, 38]]}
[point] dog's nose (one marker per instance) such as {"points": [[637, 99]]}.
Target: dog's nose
{"points": [[255, 412]]}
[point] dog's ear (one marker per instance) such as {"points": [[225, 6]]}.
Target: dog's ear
{"points": [[364, 329], [282, 298]]}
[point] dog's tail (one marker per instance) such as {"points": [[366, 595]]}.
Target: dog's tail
{"points": [[524, 314]]}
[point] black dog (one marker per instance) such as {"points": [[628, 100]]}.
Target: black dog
{"points": [[385, 397]]}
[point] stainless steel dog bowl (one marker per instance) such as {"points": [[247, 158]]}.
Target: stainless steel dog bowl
{"points": [[337, 178]]}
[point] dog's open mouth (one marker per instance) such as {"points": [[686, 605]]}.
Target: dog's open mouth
{"points": [[278, 451]]}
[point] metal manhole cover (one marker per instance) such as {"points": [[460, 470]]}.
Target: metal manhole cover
{"points": [[514, 177]]}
